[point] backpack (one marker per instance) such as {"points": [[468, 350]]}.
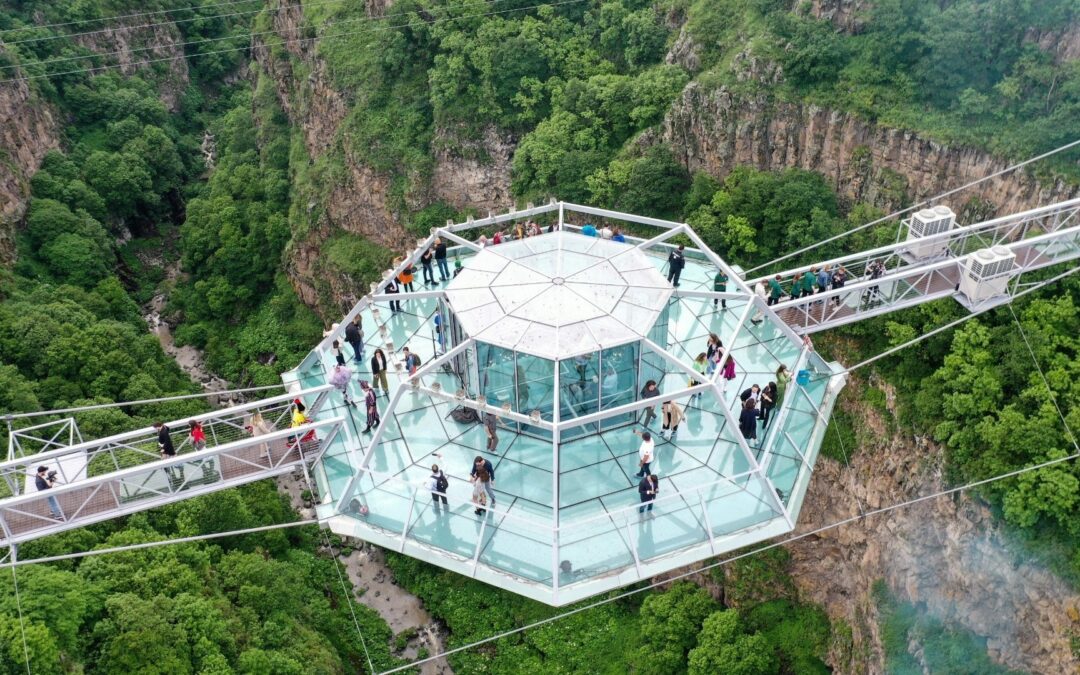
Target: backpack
{"points": [[464, 415], [441, 483]]}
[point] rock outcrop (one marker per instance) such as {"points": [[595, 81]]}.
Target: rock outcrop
{"points": [[28, 130], [847, 15], [947, 555], [715, 130], [474, 174], [153, 49], [359, 199]]}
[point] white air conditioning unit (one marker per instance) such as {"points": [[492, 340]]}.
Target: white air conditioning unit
{"points": [[986, 273], [926, 223]]}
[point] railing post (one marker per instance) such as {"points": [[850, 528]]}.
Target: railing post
{"points": [[408, 519], [708, 522]]}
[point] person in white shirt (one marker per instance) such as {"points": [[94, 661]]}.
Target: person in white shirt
{"points": [[606, 233], [645, 453]]}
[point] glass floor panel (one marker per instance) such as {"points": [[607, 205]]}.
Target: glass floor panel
{"points": [[601, 536]]}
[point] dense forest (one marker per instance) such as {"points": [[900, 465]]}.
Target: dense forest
{"points": [[133, 204]]}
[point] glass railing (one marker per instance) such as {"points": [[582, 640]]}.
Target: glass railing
{"points": [[523, 545]]}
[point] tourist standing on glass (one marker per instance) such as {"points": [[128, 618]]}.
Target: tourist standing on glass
{"points": [[720, 286], [370, 406], [645, 453], [425, 264], [647, 489], [673, 416], [748, 420], [440, 260], [768, 402], [481, 490], [676, 261], [391, 288], [490, 422], [712, 352], [335, 349], [378, 371], [438, 485], [650, 390], [481, 464], [407, 275], [783, 376], [354, 335]]}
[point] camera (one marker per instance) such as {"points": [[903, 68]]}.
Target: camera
{"points": [[51, 475]]}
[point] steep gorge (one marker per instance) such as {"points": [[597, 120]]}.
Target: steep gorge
{"points": [[948, 555], [28, 130], [716, 129], [30, 126]]}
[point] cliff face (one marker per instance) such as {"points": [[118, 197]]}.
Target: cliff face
{"points": [[361, 200], [946, 554], [155, 50], [847, 15], [27, 131], [716, 130]]}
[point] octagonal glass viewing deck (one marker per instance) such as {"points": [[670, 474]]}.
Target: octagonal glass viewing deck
{"points": [[557, 334]]}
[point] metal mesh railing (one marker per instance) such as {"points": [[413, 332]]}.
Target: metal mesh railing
{"points": [[100, 457]]}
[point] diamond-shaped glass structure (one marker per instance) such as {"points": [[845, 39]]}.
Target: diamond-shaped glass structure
{"points": [[556, 335]]}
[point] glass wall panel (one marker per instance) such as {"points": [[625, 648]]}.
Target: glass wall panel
{"points": [[535, 390], [618, 381], [496, 373], [579, 391], [652, 366]]}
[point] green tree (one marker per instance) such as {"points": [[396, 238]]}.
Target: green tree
{"points": [[670, 623], [724, 648]]}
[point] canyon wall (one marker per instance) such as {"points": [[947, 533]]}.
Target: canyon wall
{"points": [[359, 199], [715, 130], [947, 555], [28, 130], [29, 126]]}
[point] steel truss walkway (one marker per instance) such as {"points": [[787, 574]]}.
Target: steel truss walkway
{"points": [[1039, 238], [119, 475]]}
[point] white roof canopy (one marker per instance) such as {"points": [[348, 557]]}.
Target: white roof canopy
{"points": [[558, 295]]}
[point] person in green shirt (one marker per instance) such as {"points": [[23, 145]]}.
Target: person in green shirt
{"points": [[719, 285], [809, 278], [783, 376], [776, 290]]}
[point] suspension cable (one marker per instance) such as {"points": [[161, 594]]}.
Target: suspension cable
{"points": [[297, 41], [349, 601], [174, 22], [145, 401], [698, 570], [1053, 399], [122, 16], [22, 621], [901, 212], [224, 38], [154, 544]]}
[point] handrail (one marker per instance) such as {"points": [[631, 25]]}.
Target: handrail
{"points": [[942, 237], [147, 431], [172, 461]]}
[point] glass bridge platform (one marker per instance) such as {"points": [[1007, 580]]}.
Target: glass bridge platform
{"points": [[556, 335]]}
